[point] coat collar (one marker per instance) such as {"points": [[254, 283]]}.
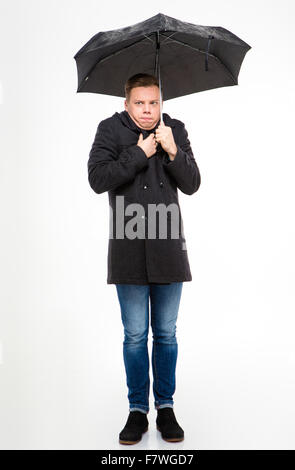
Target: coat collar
{"points": [[128, 121]]}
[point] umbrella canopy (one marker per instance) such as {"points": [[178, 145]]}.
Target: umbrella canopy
{"points": [[187, 58]]}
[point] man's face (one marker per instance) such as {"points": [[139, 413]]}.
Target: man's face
{"points": [[144, 106]]}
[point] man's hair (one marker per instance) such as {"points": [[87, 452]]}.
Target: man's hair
{"points": [[140, 79]]}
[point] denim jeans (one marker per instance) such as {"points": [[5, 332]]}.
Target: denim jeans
{"points": [[134, 303]]}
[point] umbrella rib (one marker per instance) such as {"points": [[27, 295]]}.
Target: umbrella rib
{"points": [[118, 52], [111, 55], [167, 37], [188, 45], [149, 38], [203, 52]]}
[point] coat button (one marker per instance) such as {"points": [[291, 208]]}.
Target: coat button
{"points": [[161, 183], [145, 186]]}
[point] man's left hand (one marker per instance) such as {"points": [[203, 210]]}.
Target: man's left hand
{"points": [[164, 136]]}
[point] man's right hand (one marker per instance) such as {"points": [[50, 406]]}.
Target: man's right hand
{"points": [[148, 145]]}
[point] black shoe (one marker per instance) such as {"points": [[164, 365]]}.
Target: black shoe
{"points": [[168, 426], [137, 423]]}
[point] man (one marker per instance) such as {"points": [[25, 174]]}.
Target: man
{"points": [[142, 162]]}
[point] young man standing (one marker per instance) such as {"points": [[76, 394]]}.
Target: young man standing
{"points": [[142, 162]]}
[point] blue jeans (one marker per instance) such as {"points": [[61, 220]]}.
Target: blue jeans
{"points": [[134, 304]]}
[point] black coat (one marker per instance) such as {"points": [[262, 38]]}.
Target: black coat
{"points": [[118, 165]]}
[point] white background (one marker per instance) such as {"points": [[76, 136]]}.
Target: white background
{"points": [[62, 377]]}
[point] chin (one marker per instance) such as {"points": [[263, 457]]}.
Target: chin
{"points": [[149, 123]]}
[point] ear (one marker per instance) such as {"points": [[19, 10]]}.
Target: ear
{"points": [[126, 105]]}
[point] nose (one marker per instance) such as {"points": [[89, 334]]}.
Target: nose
{"points": [[146, 108]]}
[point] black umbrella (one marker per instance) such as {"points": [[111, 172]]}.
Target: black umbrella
{"points": [[193, 58]]}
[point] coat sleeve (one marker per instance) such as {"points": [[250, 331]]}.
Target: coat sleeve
{"points": [[184, 168], [107, 168]]}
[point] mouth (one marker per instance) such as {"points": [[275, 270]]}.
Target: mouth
{"points": [[146, 119]]}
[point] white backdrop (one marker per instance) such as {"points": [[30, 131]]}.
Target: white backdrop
{"points": [[62, 377]]}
